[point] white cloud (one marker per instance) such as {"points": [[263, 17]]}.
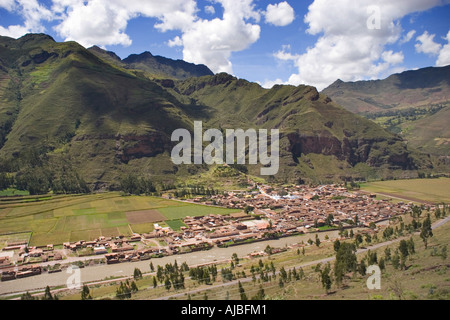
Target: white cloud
{"points": [[425, 44], [281, 14], [407, 38], [7, 4], [349, 45], [32, 13], [176, 42], [95, 24], [393, 58], [269, 83], [210, 10], [285, 56], [212, 42], [444, 54], [104, 22]]}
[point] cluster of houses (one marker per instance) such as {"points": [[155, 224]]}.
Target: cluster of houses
{"points": [[22, 272], [265, 213], [310, 206], [301, 209]]}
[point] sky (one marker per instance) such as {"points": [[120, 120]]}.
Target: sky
{"points": [[313, 42]]}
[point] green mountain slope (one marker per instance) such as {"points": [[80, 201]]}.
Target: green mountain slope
{"points": [[414, 104], [67, 111], [409, 89], [319, 138]]}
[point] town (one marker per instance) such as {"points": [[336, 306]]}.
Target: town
{"points": [[265, 214]]}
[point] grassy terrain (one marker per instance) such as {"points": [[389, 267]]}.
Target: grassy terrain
{"points": [[426, 277], [428, 190], [71, 218]]}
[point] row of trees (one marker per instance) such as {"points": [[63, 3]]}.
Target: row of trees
{"points": [[195, 191], [131, 184], [171, 275], [47, 295], [40, 180], [126, 289]]}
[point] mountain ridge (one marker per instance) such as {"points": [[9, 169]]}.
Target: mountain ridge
{"points": [[414, 103], [155, 65], [66, 109]]}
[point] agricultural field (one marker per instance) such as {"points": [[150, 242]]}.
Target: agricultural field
{"points": [[418, 190], [7, 239], [59, 219]]}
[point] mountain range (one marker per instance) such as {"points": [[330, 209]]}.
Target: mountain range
{"points": [[65, 108], [414, 104]]}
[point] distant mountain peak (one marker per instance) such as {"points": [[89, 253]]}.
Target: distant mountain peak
{"points": [[36, 36], [100, 51], [176, 69]]}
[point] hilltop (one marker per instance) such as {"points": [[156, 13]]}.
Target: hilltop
{"points": [[154, 66]]}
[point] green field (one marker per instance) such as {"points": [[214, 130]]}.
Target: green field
{"points": [[59, 219], [175, 224], [420, 190]]}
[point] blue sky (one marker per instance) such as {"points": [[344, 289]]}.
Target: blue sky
{"points": [[295, 42]]}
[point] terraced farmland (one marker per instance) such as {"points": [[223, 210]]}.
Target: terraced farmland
{"points": [[59, 219]]}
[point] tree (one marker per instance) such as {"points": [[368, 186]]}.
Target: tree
{"points": [[346, 261], [27, 296], [396, 261], [411, 246], [382, 264], [329, 220], [387, 254], [134, 287], [372, 258], [123, 291], [326, 278], [317, 240], [437, 213], [235, 258], [336, 245], [137, 274], [358, 239], [260, 295], [242, 292], [426, 231], [85, 293], [416, 211], [167, 283], [47, 294], [249, 209], [362, 268], [268, 250]]}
